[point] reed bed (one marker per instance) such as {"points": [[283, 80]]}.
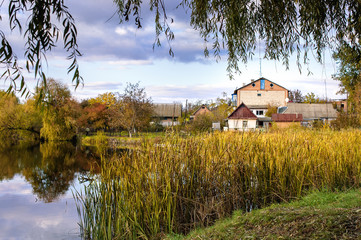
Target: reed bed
{"points": [[180, 183]]}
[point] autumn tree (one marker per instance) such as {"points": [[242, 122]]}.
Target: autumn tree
{"points": [[136, 108], [108, 99], [18, 122], [221, 109], [60, 112], [94, 116], [312, 98], [296, 96]]}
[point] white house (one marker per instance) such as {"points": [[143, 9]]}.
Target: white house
{"points": [[242, 119]]}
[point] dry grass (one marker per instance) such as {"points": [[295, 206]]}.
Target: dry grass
{"points": [[179, 183]]}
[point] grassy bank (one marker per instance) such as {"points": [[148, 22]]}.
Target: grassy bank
{"points": [[118, 141], [176, 184], [319, 215]]}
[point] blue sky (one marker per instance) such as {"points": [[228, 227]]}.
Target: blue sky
{"points": [[114, 54]]}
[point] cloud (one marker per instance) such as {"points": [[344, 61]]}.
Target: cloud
{"points": [[171, 93], [103, 86], [131, 62]]}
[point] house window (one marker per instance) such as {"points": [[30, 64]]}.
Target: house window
{"points": [[259, 94], [245, 124], [262, 84], [271, 84], [259, 112], [253, 84]]}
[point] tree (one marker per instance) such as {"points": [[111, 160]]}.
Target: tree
{"points": [[284, 26], [312, 98], [108, 99], [349, 73], [18, 122], [41, 35], [94, 116], [271, 110], [296, 96], [60, 112], [136, 109]]}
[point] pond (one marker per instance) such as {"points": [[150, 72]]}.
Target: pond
{"points": [[36, 190]]}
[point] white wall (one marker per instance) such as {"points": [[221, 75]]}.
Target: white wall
{"points": [[237, 124], [275, 98]]}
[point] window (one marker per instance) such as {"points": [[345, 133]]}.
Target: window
{"points": [[259, 94], [253, 84], [245, 124], [271, 84], [259, 112], [262, 84]]}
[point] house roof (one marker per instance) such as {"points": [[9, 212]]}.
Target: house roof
{"points": [[312, 111], [201, 107], [168, 109], [276, 117], [242, 112], [259, 79]]}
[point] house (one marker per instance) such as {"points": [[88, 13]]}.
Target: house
{"points": [[285, 120], [201, 110], [261, 92], [242, 119], [340, 104], [311, 111], [168, 113]]}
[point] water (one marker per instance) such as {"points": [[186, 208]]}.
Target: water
{"points": [[36, 185]]}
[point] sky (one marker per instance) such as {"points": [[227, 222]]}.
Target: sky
{"points": [[116, 54]]}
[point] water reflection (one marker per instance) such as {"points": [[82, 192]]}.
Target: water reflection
{"points": [[50, 168], [36, 201]]}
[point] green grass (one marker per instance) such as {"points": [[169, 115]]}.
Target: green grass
{"points": [[319, 215]]}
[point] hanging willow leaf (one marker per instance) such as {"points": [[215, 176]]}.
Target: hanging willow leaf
{"points": [[40, 35]]}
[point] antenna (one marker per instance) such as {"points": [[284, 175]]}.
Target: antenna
{"points": [[260, 59]]}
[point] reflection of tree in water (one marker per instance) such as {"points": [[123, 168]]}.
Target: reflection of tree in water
{"points": [[50, 168], [16, 158]]}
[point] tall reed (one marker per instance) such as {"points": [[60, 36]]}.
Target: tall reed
{"points": [[180, 183]]}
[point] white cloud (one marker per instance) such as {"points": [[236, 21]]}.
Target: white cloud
{"points": [[131, 62]]}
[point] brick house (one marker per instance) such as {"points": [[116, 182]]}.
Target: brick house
{"points": [[258, 94], [201, 110]]}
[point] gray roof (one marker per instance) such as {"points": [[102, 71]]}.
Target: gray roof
{"points": [[312, 111], [168, 109], [257, 106]]}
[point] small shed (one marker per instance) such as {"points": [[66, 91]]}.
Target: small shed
{"points": [[168, 113], [242, 119]]}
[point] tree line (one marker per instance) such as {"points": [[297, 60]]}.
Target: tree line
{"points": [[60, 117]]}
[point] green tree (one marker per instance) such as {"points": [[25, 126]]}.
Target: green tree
{"points": [[284, 26], [349, 73], [136, 108], [41, 35]]}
